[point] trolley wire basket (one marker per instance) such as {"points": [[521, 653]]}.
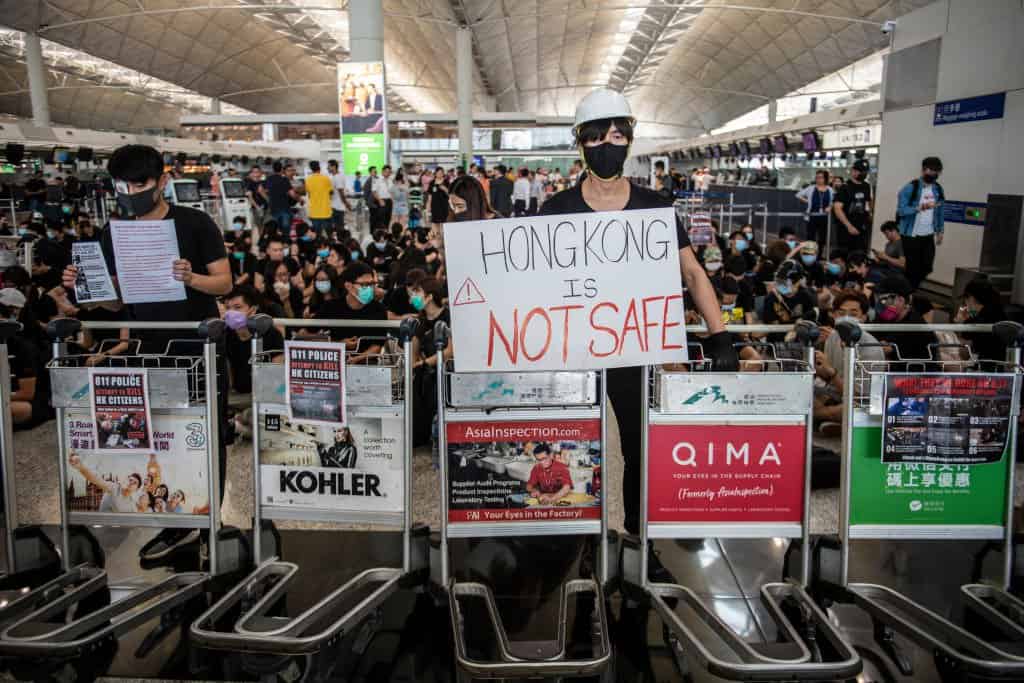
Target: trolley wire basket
{"points": [[174, 381]]}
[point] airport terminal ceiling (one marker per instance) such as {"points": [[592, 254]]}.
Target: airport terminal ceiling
{"points": [[688, 65]]}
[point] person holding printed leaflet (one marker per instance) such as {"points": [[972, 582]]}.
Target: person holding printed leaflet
{"points": [[550, 480], [140, 181], [604, 131]]}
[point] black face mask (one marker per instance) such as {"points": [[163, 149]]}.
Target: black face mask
{"points": [[137, 204], [606, 160], [930, 177]]}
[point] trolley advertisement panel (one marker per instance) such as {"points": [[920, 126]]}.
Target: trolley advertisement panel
{"points": [[524, 470], [169, 477], [726, 473], [355, 467]]}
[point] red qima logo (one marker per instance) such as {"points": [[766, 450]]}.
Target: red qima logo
{"points": [[687, 455]]}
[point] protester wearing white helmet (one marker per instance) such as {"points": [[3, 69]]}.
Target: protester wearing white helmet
{"points": [[604, 132]]}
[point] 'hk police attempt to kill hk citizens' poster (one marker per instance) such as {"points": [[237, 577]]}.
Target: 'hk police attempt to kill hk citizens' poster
{"points": [[120, 410], [315, 382]]}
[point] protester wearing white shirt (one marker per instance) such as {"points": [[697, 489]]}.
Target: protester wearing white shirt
{"points": [[339, 202], [521, 193]]}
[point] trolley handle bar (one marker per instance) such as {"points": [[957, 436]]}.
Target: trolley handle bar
{"points": [[332, 322]]}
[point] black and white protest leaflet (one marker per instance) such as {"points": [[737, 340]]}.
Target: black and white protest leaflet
{"points": [[120, 410], [949, 419], [93, 283], [357, 467], [315, 382]]}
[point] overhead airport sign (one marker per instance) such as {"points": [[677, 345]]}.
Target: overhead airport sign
{"points": [[970, 109], [569, 292]]}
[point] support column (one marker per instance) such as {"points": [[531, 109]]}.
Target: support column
{"points": [[37, 84], [773, 111], [214, 106], [464, 93], [366, 30]]}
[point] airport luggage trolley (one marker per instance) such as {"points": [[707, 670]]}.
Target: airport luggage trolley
{"points": [[66, 621], [248, 620], [490, 429], [928, 454], [728, 455]]}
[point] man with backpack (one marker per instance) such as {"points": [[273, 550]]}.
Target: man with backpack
{"points": [[919, 214]]}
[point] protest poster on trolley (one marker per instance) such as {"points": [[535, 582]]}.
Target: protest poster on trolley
{"points": [[358, 466], [120, 409], [569, 292], [947, 419], [315, 382], [524, 470], [168, 477]]}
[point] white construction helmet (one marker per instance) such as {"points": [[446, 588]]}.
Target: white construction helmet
{"points": [[602, 103]]}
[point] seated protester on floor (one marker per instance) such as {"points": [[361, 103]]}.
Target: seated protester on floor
{"points": [[422, 244], [890, 260], [381, 252], [243, 263], [355, 252], [50, 257], [357, 303], [711, 257], [305, 246], [746, 298], [271, 231], [788, 235], [240, 304], [728, 292], [325, 289], [812, 266], [982, 305], [790, 299], [752, 245], [835, 267], [30, 380], [894, 306], [102, 344], [278, 250], [282, 290], [851, 307], [398, 300], [776, 252], [87, 230], [739, 246], [859, 263]]}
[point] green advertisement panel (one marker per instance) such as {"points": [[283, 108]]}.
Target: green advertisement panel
{"points": [[360, 151], [917, 494]]}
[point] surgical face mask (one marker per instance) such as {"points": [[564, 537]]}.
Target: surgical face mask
{"points": [[50, 234], [285, 252], [235, 319], [847, 319], [355, 255], [66, 209], [887, 313], [22, 231], [783, 288], [741, 245], [380, 245], [833, 268], [749, 234], [239, 255], [417, 302], [135, 204], [606, 160], [71, 232], [323, 253], [792, 243], [808, 259], [308, 237], [323, 286], [713, 266], [364, 294], [282, 286], [239, 225], [727, 308]]}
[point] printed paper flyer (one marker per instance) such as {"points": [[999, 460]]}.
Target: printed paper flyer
{"points": [[169, 477], [315, 387], [725, 473], [524, 471], [120, 410], [952, 419], [356, 467]]}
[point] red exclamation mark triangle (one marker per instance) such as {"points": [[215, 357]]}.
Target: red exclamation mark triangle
{"points": [[468, 293]]}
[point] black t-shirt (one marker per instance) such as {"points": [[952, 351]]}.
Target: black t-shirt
{"points": [[278, 187], [239, 352], [855, 198], [253, 188], [380, 259], [201, 243], [29, 362], [338, 309], [239, 267], [910, 344], [438, 202], [397, 302], [571, 201], [35, 185]]}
